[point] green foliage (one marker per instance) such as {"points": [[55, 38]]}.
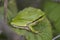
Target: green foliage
{"points": [[3, 37], [53, 13], [52, 10], [12, 6]]}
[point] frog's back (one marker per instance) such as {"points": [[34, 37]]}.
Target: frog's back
{"points": [[27, 15]]}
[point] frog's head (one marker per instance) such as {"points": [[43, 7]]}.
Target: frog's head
{"points": [[26, 16]]}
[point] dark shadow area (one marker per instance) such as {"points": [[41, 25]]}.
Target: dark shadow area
{"points": [[21, 4]]}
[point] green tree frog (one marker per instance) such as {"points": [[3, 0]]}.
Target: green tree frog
{"points": [[28, 17]]}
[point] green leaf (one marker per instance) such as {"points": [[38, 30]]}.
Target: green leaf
{"points": [[43, 27], [53, 13], [12, 6], [9, 14]]}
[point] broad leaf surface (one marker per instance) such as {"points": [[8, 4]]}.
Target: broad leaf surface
{"points": [[52, 10]]}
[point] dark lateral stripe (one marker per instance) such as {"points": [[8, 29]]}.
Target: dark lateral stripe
{"points": [[36, 20]]}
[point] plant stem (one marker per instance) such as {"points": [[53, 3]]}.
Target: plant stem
{"points": [[5, 10]]}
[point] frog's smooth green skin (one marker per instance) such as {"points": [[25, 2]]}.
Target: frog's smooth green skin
{"points": [[27, 18]]}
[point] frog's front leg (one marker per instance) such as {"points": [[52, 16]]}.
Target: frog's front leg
{"points": [[30, 25], [33, 30], [29, 28]]}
